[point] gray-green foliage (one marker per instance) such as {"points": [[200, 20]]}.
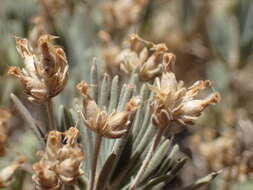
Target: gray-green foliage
{"points": [[119, 160]]}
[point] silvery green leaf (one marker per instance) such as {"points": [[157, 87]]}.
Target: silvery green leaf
{"points": [[201, 182], [28, 118], [104, 178]]}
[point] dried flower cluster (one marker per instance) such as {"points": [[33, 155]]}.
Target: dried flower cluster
{"points": [[7, 174], [232, 151], [4, 128], [121, 14], [45, 73], [112, 125], [142, 55], [61, 161], [175, 103]]}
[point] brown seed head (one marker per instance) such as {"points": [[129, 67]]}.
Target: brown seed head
{"points": [[61, 161], [45, 72], [175, 103]]}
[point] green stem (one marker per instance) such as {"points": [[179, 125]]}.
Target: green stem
{"points": [[50, 115], [94, 161]]}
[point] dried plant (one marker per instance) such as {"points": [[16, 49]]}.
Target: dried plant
{"points": [[60, 163], [231, 151], [127, 126], [139, 73]]}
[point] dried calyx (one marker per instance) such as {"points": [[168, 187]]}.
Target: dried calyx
{"points": [[45, 71], [112, 125], [61, 162]]}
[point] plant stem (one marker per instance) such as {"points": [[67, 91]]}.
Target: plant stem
{"points": [[147, 159], [94, 161], [50, 115]]}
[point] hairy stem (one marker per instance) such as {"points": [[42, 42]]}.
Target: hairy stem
{"points": [[148, 157], [50, 115], [94, 162]]}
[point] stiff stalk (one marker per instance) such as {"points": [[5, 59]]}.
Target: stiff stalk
{"points": [[50, 115], [94, 161]]}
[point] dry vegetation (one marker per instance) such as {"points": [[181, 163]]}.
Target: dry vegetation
{"points": [[117, 95]]}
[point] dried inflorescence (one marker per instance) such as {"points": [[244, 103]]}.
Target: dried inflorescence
{"points": [[61, 162], [45, 71], [7, 174], [4, 128], [121, 14], [175, 103], [112, 125], [141, 55]]}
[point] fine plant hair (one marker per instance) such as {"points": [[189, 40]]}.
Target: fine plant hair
{"points": [[119, 134]]}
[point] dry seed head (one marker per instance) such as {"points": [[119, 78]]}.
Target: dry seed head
{"points": [[45, 177], [142, 56], [70, 158], [175, 103], [60, 163], [7, 174], [112, 125], [45, 73]]}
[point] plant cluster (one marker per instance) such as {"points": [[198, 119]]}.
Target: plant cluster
{"points": [[126, 128]]}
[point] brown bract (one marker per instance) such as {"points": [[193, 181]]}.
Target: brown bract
{"points": [[175, 103], [113, 125], [45, 73], [61, 162]]}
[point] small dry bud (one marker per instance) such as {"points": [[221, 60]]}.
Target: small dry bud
{"points": [[133, 104], [169, 60], [112, 125], [7, 174], [83, 88]]}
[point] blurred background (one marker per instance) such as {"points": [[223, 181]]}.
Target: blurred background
{"points": [[212, 39]]}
